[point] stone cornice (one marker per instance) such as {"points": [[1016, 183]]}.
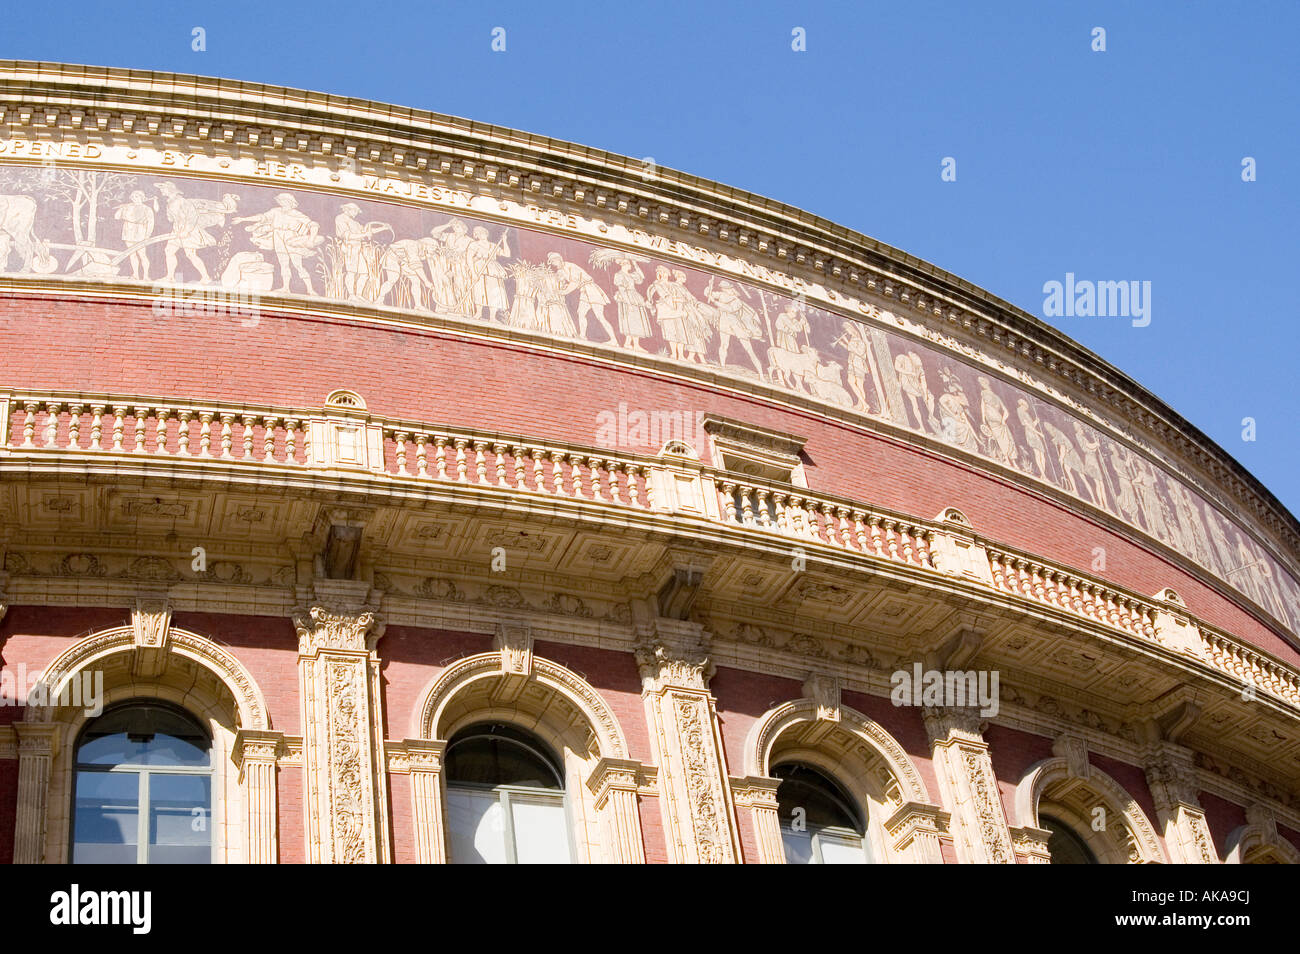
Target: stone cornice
{"points": [[50, 100]]}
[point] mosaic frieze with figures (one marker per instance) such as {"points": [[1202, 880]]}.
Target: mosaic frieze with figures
{"points": [[64, 221]]}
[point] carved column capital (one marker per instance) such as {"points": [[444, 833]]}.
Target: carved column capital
{"points": [[915, 828], [970, 790], [1171, 777], [322, 628], [674, 654], [1031, 844], [947, 724]]}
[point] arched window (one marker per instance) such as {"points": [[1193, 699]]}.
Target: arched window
{"points": [[505, 799], [142, 792], [1065, 846], [819, 823]]}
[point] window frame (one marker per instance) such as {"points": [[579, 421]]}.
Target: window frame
{"points": [[508, 793], [143, 772]]}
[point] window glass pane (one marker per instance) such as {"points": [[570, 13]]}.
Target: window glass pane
{"points": [[500, 755], [477, 828], [798, 847], [819, 801], [143, 735], [841, 849], [541, 836], [180, 819], [106, 820]]}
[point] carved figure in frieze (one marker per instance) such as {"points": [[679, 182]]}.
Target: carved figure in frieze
{"points": [[456, 241], [17, 231], [591, 297], [190, 221], [1090, 448], [1067, 456], [826, 381], [954, 415], [1126, 498], [633, 312], [1153, 507], [701, 320], [290, 234], [523, 310], [137, 218], [861, 359], [487, 290], [736, 319], [670, 311], [911, 379], [403, 267], [993, 425], [552, 309], [790, 324], [359, 255]]}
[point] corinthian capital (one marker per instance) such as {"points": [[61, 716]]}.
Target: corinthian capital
{"points": [[322, 628], [675, 656]]}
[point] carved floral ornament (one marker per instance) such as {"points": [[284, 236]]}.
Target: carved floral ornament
{"points": [[862, 363]]}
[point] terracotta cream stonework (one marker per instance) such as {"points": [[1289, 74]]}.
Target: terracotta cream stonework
{"points": [[304, 437]]}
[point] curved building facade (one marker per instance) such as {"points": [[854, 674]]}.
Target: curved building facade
{"points": [[379, 486]]}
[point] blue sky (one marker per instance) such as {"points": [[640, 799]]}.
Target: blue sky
{"points": [[1122, 165]]}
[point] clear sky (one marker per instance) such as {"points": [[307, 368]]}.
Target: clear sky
{"points": [[1123, 165]]}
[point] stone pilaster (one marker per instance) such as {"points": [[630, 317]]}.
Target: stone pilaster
{"points": [[425, 767], [915, 828], [346, 774], [757, 795], [256, 754], [614, 782], [969, 787], [695, 794], [1171, 776], [36, 744]]}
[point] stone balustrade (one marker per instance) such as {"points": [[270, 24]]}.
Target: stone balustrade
{"points": [[347, 438]]}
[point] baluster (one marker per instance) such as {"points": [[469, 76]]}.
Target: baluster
{"points": [[291, 440], [649, 487], [227, 434], [746, 506], [1036, 582], [593, 470], [440, 448], [499, 450], [421, 455], [248, 420], [29, 423], [876, 543], [891, 538], [923, 542], [462, 464], [633, 488], [160, 415], [518, 454], [539, 477], [728, 501], [269, 423], [141, 415], [860, 531], [614, 490], [764, 518], [842, 515], [51, 430], [557, 473], [118, 426], [74, 427], [183, 432], [97, 426], [905, 536], [480, 463], [399, 446], [205, 433]]}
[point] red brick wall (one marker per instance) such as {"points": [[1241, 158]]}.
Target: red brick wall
{"points": [[1223, 817], [8, 807], [112, 347], [292, 820]]}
